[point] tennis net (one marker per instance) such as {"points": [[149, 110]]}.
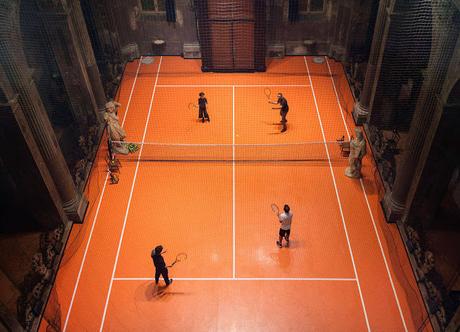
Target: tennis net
{"points": [[303, 151]]}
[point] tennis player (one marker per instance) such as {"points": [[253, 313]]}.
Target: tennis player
{"points": [[285, 219], [160, 266], [202, 103], [284, 109]]}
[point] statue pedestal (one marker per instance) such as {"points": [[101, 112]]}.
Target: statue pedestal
{"points": [[352, 173], [158, 46]]}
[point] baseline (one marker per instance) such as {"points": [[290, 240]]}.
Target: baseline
{"points": [[241, 279]]}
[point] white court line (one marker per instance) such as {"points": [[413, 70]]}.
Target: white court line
{"points": [[233, 187], [338, 197], [97, 211], [370, 211], [131, 93], [130, 198], [84, 255], [231, 85], [241, 279]]}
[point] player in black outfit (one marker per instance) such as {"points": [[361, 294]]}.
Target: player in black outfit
{"points": [[203, 113], [160, 266], [284, 109]]}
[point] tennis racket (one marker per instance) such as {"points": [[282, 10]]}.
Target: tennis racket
{"points": [[179, 258], [192, 106], [268, 93], [275, 209]]}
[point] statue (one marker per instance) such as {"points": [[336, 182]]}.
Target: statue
{"points": [[115, 131], [357, 152]]}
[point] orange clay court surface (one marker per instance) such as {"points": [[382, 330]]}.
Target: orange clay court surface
{"points": [[346, 269]]}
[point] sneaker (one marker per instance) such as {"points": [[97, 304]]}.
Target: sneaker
{"points": [[170, 282], [202, 120], [209, 120], [279, 244], [283, 130], [287, 244]]}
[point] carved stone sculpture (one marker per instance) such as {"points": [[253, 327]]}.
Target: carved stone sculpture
{"points": [[116, 133], [357, 152]]}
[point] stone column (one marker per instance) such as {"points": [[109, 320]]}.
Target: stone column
{"points": [[427, 114], [394, 202], [105, 37], [65, 41], [102, 27], [87, 52], [23, 160], [14, 65], [382, 24]]}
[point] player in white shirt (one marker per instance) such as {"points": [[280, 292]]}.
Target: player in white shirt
{"points": [[285, 219]]}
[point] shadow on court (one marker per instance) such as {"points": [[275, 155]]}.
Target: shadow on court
{"points": [[148, 291]]}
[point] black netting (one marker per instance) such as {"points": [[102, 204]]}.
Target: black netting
{"points": [[417, 53], [75, 125], [232, 35]]}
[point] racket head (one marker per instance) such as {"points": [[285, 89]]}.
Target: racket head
{"points": [[192, 106], [275, 209], [267, 93], [182, 256]]}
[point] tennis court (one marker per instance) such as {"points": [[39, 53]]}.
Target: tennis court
{"points": [[206, 189]]}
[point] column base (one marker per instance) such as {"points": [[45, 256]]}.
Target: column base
{"points": [[76, 210], [393, 210], [359, 114]]}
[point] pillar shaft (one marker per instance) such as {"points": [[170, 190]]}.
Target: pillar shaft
{"points": [[14, 65], [395, 201], [364, 105], [87, 52], [427, 115], [33, 184], [69, 40]]}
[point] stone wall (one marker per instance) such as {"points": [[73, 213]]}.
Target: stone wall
{"points": [[136, 26], [341, 26]]}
